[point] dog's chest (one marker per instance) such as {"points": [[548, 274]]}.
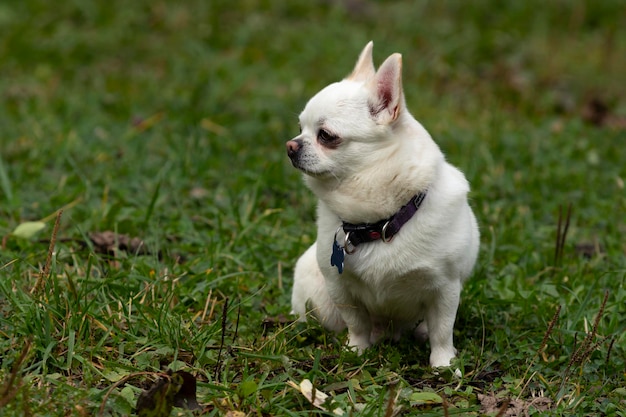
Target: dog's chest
{"points": [[388, 287]]}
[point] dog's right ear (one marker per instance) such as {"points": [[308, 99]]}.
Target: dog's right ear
{"points": [[364, 68], [386, 98]]}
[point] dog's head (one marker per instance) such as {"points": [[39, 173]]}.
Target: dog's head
{"points": [[345, 125]]}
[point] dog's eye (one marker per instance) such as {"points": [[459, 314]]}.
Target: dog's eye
{"points": [[326, 137]]}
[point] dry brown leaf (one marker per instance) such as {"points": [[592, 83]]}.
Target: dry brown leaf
{"points": [[108, 242], [234, 413], [493, 404], [314, 396], [597, 112]]}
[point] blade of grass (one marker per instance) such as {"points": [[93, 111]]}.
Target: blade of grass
{"points": [[153, 200], [5, 183]]}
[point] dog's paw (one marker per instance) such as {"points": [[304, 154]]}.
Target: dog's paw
{"points": [[457, 372], [442, 357], [358, 342]]}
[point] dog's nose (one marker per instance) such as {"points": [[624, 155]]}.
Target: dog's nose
{"points": [[293, 146]]}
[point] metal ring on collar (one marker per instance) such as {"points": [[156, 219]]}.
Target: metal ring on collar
{"points": [[346, 244], [383, 235]]}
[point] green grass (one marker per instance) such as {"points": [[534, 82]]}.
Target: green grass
{"points": [[166, 121]]}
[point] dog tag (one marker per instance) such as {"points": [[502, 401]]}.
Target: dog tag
{"points": [[337, 257]]}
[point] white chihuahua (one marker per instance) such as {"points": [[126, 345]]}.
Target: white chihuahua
{"points": [[396, 236]]}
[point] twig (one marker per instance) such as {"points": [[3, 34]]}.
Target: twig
{"points": [[219, 352], [444, 404], [237, 323], [585, 348], [213, 304], [608, 352], [393, 391], [561, 234], [503, 408], [9, 392], [45, 272], [557, 245], [600, 312], [542, 346], [53, 240], [565, 229], [206, 306], [592, 348], [549, 330]]}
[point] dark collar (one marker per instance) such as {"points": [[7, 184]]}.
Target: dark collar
{"points": [[385, 229]]}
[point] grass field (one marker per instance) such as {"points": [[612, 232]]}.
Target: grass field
{"points": [[165, 122]]}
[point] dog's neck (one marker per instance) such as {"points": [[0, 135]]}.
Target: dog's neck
{"points": [[378, 191]]}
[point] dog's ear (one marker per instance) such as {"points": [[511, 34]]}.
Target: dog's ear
{"points": [[386, 90], [364, 68]]}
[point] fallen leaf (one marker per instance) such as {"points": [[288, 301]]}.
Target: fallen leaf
{"points": [[235, 414], [114, 376], [271, 323], [175, 389], [344, 385], [158, 401], [247, 388], [213, 127], [425, 397], [198, 193], [109, 242], [314, 396], [589, 249], [493, 404], [141, 125], [186, 395], [27, 230], [597, 112]]}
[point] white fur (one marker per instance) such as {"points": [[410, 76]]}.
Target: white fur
{"points": [[383, 159]]}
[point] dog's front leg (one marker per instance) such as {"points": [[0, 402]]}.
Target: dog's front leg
{"points": [[440, 317], [359, 328], [353, 313]]}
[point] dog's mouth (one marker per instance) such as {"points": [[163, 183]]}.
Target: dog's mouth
{"points": [[301, 165], [310, 172]]}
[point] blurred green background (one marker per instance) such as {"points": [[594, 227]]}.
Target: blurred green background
{"points": [[148, 85]]}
